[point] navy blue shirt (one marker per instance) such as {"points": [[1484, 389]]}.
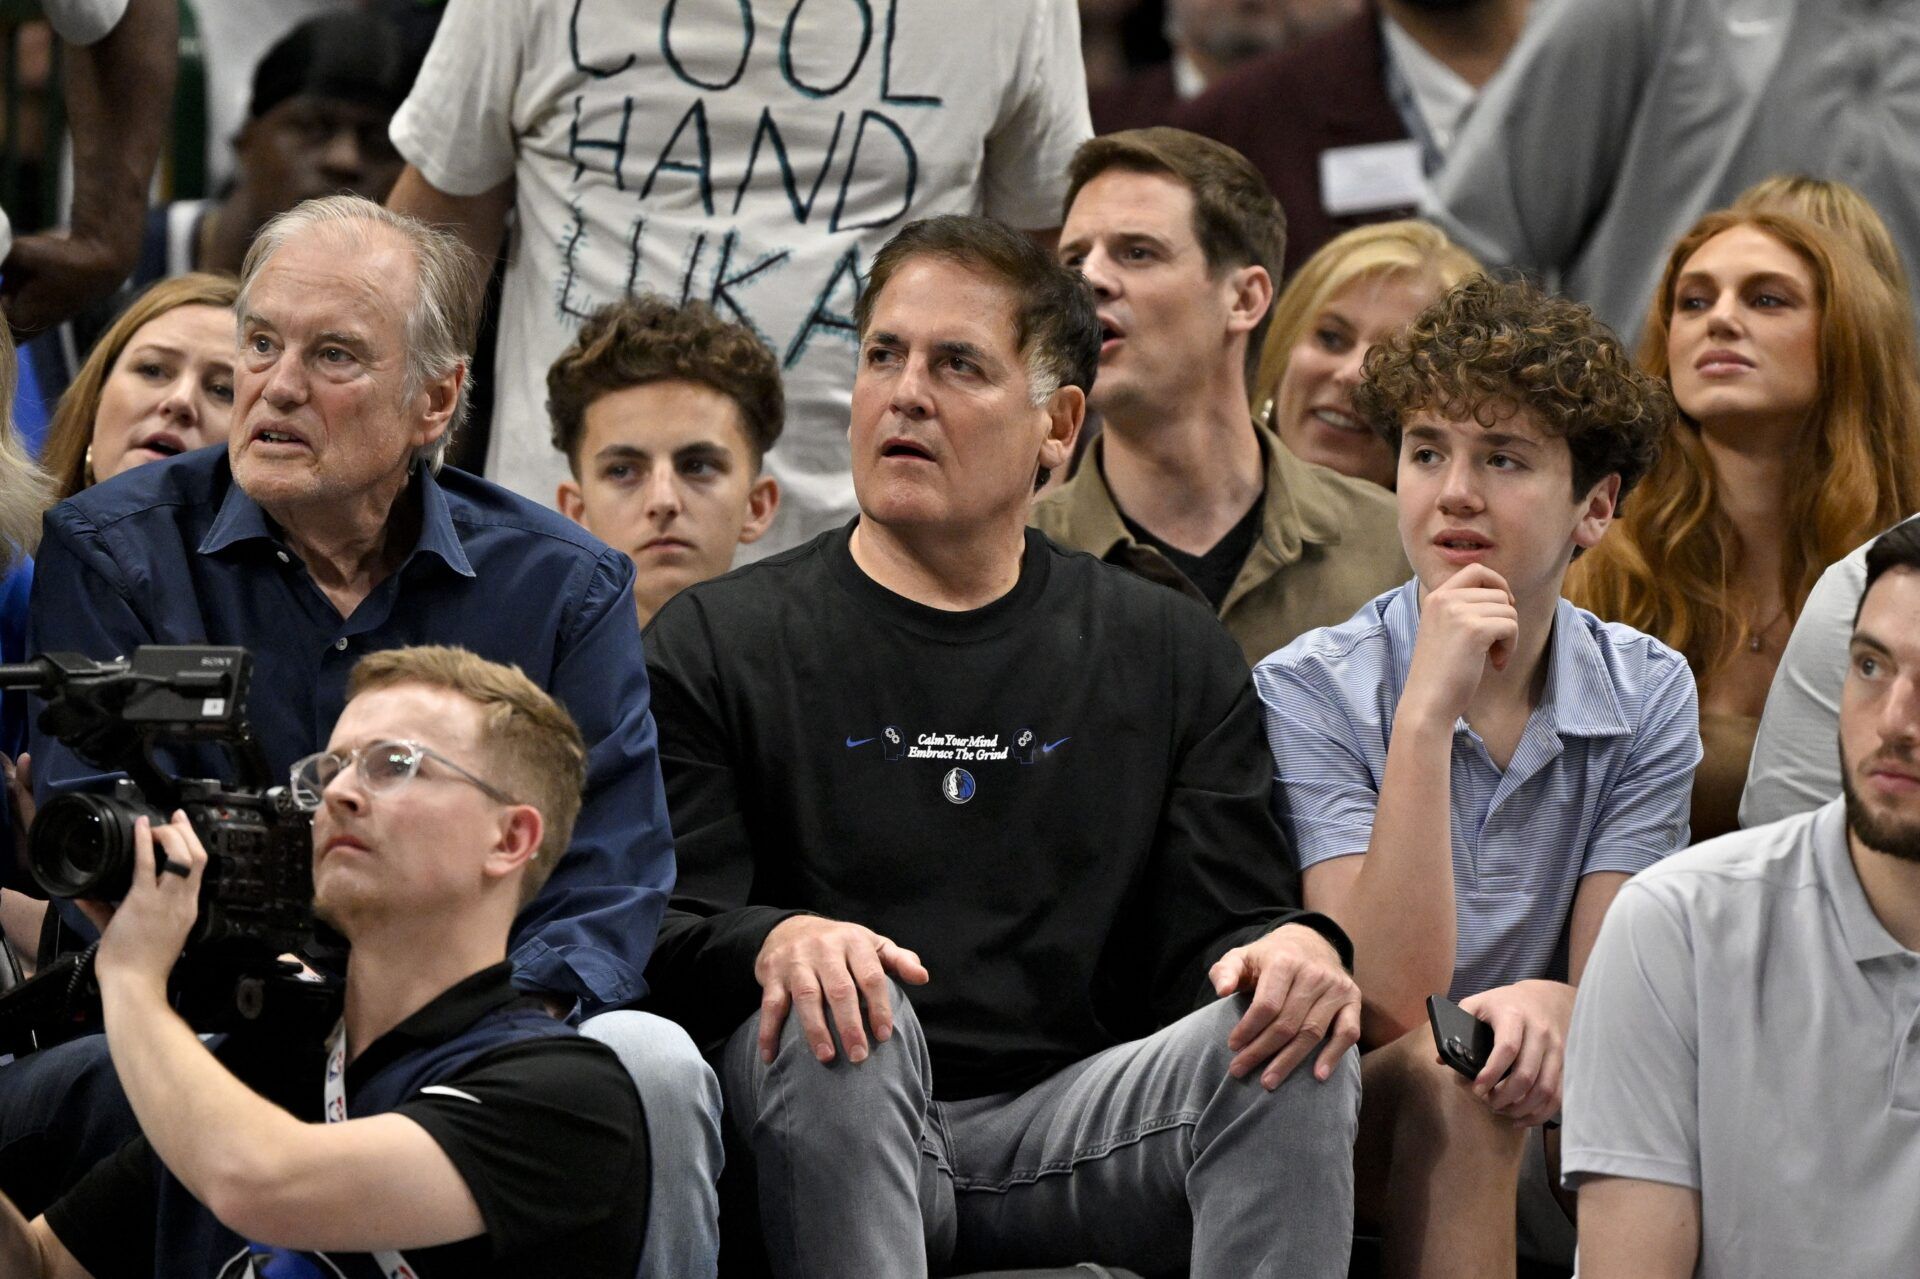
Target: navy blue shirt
{"points": [[175, 552]]}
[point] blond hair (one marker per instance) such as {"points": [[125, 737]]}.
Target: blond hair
{"points": [[70, 433], [1411, 248], [1837, 207], [534, 748], [25, 491]]}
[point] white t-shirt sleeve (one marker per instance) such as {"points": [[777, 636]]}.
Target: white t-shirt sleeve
{"points": [[456, 125], [84, 21], [1796, 756], [1632, 1101], [1023, 174]]}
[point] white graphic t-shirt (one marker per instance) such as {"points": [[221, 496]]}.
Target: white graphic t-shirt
{"points": [[750, 153]]}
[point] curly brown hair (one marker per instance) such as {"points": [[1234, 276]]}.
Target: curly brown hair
{"points": [[649, 339], [1488, 348]]}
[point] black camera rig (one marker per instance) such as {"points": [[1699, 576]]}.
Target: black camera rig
{"points": [[257, 890]]}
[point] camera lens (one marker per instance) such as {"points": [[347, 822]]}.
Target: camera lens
{"points": [[82, 846]]}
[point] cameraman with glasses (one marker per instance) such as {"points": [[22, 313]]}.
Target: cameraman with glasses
{"points": [[441, 1129], [326, 530]]}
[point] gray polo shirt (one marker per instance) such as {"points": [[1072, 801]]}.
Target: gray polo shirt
{"points": [[1747, 1027]]}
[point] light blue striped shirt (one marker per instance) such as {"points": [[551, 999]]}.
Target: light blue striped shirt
{"points": [[1600, 781]]}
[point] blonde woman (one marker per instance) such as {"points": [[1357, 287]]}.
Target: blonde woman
{"points": [[25, 493], [1357, 289], [1837, 207], [159, 382]]}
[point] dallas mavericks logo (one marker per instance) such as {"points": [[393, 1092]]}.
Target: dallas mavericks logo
{"points": [[957, 785], [259, 1262]]}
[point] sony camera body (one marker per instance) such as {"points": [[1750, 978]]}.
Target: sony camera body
{"points": [[256, 893], [258, 882]]}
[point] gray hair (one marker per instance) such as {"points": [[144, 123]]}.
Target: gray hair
{"points": [[446, 306]]}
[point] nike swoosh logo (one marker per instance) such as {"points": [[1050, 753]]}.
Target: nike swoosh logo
{"points": [[1048, 748], [851, 742], [441, 1090]]}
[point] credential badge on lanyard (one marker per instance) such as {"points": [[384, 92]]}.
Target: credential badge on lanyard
{"points": [[334, 1090]]}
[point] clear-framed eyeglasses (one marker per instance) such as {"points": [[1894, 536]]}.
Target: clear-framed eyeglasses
{"points": [[383, 767]]}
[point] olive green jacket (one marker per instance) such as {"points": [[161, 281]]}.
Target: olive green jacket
{"points": [[1327, 545]]}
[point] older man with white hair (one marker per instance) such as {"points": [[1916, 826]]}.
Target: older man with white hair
{"points": [[326, 530]]}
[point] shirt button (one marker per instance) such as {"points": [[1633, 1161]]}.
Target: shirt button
{"points": [[284, 557], [340, 645]]}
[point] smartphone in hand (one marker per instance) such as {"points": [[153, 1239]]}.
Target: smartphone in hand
{"points": [[1465, 1042]]}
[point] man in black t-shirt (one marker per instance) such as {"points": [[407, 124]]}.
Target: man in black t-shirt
{"points": [[933, 748], [449, 1126]]}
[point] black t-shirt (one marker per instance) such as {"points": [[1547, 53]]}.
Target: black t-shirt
{"points": [[1060, 800], [546, 1132], [1213, 572]]}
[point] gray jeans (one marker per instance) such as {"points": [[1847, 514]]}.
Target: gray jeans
{"points": [[1146, 1155], [681, 1099]]}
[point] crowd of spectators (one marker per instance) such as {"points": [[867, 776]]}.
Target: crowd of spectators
{"points": [[1161, 637]]}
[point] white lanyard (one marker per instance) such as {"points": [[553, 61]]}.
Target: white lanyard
{"points": [[334, 1090]]}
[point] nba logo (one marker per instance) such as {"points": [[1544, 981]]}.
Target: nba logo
{"points": [[957, 785]]}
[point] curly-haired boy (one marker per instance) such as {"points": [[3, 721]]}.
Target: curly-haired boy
{"points": [[1472, 766], [664, 412]]}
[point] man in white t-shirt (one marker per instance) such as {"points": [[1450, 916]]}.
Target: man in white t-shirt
{"points": [[750, 155]]}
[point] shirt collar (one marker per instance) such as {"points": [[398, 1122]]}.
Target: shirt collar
{"points": [[443, 1017], [1579, 699], [1865, 936], [241, 519], [1299, 508]]}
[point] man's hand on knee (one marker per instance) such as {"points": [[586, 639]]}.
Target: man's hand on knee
{"points": [[1301, 997], [1523, 1077], [817, 967]]}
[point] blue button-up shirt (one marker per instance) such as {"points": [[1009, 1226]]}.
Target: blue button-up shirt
{"points": [[1601, 780], [175, 552]]}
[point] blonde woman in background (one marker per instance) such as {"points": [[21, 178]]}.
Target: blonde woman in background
{"points": [[1835, 206], [159, 382], [25, 492], [1358, 288]]}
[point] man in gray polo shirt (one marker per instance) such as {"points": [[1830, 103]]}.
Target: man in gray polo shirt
{"points": [[1743, 1071]]}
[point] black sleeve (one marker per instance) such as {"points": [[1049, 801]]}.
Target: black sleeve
{"points": [[549, 1138], [701, 973], [1221, 873], [109, 1219]]}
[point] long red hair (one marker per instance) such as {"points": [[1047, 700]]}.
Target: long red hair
{"points": [[1666, 568]]}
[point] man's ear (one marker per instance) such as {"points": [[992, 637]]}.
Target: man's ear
{"points": [[1252, 294], [763, 499], [572, 502], [520, 832], [1066, 410], [1596, 514], [435, 405]]}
